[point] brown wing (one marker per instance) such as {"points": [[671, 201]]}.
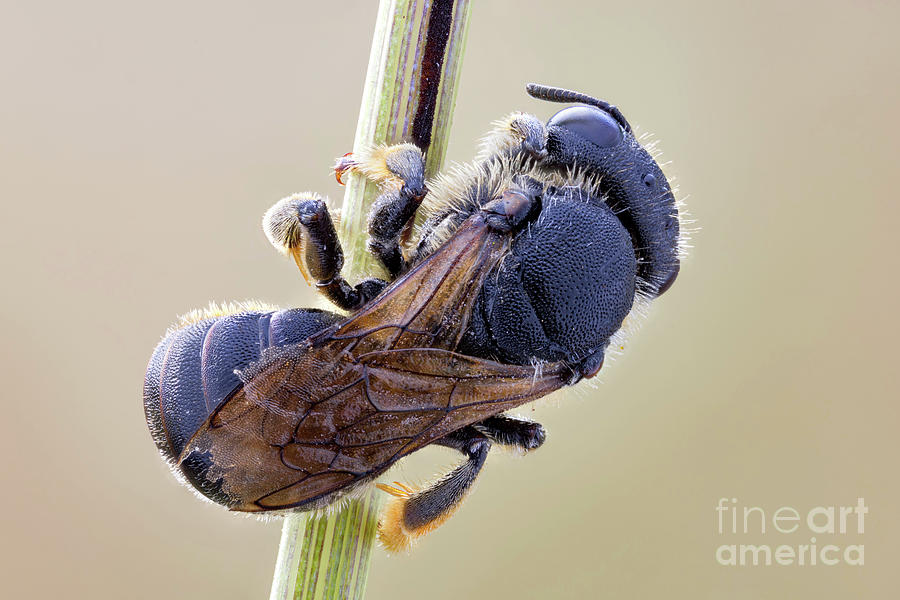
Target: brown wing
{"points": [[314, 419]]}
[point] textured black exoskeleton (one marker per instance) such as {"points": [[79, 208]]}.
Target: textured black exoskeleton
{"points": [[522, 268]]}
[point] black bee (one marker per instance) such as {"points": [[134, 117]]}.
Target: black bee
{"points": [[524, 266]]}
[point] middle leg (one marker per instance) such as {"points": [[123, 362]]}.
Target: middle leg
{"points": [[400, 173], [514, 432]]}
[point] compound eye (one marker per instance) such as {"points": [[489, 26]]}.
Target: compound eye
{"points": [[590, 123]]}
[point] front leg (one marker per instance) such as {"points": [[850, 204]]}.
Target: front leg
{"points": [[517, 134], [400, 172], [300, 225]]}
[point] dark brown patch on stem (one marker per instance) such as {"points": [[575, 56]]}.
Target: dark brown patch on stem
{"points": [[439, 25]]}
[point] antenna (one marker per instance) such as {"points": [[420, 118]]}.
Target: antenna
{"points": [[555, 94]]}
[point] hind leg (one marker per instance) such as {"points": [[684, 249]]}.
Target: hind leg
{"points": [[300, 225], [415, 513]]}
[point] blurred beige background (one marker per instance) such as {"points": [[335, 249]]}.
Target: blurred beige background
{"points": [[140, 144]]}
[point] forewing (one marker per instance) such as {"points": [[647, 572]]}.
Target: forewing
{"points": [[429, 306], [462, 389], [315, 419], [313, 436]]}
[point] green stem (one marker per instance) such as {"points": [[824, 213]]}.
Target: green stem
{"points": [[409, 95], [391, 101]]}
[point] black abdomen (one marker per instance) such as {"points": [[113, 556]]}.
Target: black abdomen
{"points": [[192, 371]]}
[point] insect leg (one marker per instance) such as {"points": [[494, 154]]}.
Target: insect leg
{"points": [[513, 431], [400, 173], [300, 225], [517, 133], [415, 513], [388, 218]]}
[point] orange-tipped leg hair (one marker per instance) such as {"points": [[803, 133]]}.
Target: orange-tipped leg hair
{"points": [[413, 513], [342, 165], [388, 166]]}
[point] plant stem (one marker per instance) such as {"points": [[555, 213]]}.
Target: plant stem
{"points": [[409, 95]]}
